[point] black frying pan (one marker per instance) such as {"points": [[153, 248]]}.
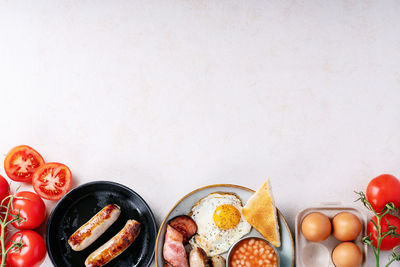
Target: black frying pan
{"points": [[84, 201]]}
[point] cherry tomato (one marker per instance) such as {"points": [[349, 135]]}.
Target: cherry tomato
{"points": [[52, 180], [4, 190], [21, 162], [382, 190], [31, 254], [30, 207], [388, 242]]}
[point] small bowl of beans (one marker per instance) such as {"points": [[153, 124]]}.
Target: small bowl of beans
{"points": [[252, 252]]}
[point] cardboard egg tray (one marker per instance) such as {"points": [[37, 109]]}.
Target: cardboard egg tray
{"points": [[318, 254]]}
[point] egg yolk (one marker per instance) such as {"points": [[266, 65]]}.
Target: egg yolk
{"points": [[226, 217]]}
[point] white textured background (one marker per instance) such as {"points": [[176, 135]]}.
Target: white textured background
{"points": [[168, 96]]}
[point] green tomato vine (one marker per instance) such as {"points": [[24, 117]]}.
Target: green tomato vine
{"points": [[7, 218], [389, 208]]}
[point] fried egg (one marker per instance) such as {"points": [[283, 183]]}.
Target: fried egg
{"points": [[220, 222]]}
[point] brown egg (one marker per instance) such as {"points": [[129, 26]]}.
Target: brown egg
{"points": [[346, 226], [316, 227], [347, 254]]}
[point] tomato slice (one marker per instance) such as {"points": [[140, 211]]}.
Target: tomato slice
{"points": [[52, 180], [21, 162]]}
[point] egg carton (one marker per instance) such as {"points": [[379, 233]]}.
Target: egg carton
{"points": [[318, 254]]}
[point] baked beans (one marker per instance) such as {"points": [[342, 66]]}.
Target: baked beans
{"points": [[252, 252]]}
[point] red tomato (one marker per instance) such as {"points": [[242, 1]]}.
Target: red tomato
{"points": [[388, 242], [21, 162], [31, 208], [382, 190], [4, 189], [52, 180], [31, 254], [4, 192]]}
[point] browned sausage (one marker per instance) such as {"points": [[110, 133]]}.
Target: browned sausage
{"points": [[115, 246], [95, 227], [198, 258]]}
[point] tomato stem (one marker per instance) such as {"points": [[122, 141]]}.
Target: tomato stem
{"points": [[379, 241], [390, 262], [3, 225], [380, 235]]}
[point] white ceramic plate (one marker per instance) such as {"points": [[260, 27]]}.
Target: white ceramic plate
{"points": [[286, 251]]}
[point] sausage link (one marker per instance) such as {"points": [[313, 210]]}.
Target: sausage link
{"points": [[95, 227], [115, 246]]}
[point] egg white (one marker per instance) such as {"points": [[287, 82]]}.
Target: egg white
{"points": [[210, 237]]}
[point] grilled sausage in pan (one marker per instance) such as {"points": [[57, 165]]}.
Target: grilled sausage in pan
{"points": [[115, 246], [95, 227]]}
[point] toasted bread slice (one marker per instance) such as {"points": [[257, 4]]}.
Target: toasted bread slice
{"points": [[260, 212]]}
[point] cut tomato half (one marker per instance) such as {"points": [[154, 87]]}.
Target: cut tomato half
{"points": [[21, 162], [52, 180]]}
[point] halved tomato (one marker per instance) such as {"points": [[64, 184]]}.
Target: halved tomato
{"points": [[52, 180], [21, 162]]}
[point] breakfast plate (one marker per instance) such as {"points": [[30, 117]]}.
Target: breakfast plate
{"points": [[80, 204], [286, 251]]}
